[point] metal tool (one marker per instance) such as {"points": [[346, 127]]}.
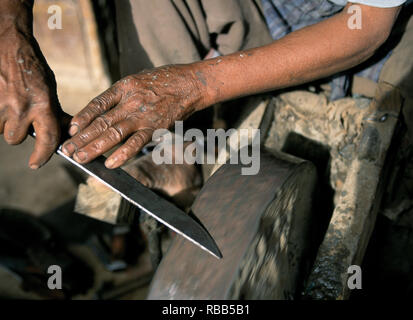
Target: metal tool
{"points": [[148, 201]]}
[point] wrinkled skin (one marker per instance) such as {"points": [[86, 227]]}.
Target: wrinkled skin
{"points": [[134, 107], [130, 111], [28, 95]]}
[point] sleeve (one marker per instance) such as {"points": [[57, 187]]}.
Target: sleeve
{"points": [[380, 3]]}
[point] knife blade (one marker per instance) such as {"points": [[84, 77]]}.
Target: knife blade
{"points": [[148, 201]]}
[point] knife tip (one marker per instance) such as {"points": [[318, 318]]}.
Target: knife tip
{"points": [[216, 252]]}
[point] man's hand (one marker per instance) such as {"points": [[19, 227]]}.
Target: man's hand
{"points": [[132, 109], [137, 105], [27, 85]]}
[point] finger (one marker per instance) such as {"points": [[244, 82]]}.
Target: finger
{"points": [[15, 131], [2, 122], [95, 108], [130, 149], [94, 130], [105, 142], [47, 139]]}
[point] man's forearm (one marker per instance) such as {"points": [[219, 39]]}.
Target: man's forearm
{"points": [[311, 53]]}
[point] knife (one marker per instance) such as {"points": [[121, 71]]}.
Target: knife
{"points": [[148, 201]]}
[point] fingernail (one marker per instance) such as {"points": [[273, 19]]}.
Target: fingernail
{"points": [[110, 162], [34, 166], [80, 156], [69, 148], [74, 128]]}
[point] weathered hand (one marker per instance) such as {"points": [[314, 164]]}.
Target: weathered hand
{"points": [[133, 108], [27, 95]]}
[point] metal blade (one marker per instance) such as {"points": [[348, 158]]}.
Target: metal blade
{"points": [[148, 201]]}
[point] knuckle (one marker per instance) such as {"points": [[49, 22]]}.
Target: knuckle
{"points": [[81, 138], [96, 107], [116, 88], [97, 102], [138, 139], [100, 102], [128, 150], [102, 123], [18, 113], [14, 101], [133, 118], [95, 148], [51, 139], [116, 133], [17, 108]]}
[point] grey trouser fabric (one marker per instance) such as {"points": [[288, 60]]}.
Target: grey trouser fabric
{"points": [[152, 33]]}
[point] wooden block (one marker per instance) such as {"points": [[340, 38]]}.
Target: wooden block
{"points": [[356, 210], [261, 225]]}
